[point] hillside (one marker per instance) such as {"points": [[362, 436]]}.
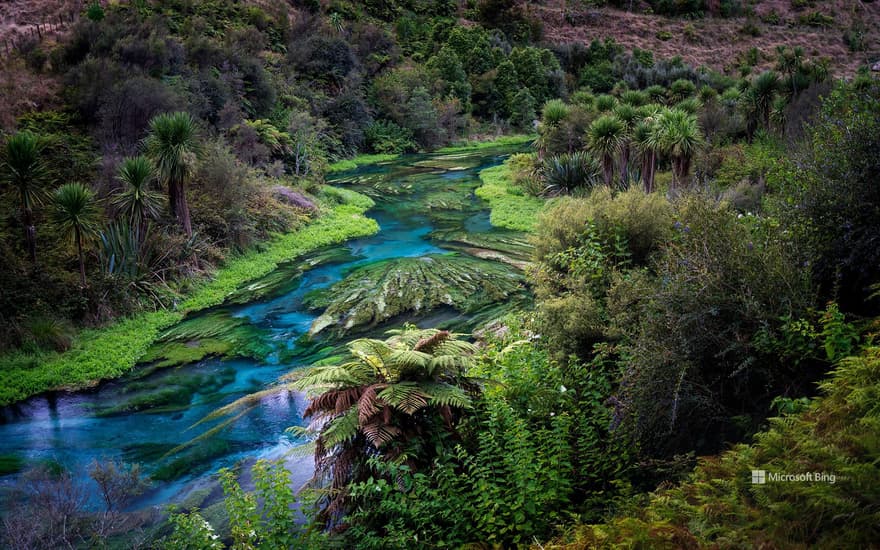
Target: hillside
{"points": [[720, 42]]}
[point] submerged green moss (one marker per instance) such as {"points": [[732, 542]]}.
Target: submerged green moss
{"points": [[213, 334], [511, 244], [10, 464], [380, 291]]}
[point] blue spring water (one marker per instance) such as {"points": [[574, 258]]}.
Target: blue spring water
{"points": [[65, 428]]}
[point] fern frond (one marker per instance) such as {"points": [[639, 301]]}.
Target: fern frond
{"points": [[380, 434], [210, 433], [408, 361], [404, 396], [447, 395], [340, 430], [248, 401], [346, 374]]}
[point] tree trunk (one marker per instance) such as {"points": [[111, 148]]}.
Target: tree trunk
{"points": [[624, 167], [82, 263], [675, 173], [608, 169], [684, 170], [179, 207], [648, 168], [30, 233]]}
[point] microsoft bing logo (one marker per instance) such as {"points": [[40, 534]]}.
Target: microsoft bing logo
{"points": [[759, 477]]}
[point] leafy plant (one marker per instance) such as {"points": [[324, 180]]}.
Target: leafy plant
{"points": [[25, 170], [77, 216], [172, 145], [563, 174]]}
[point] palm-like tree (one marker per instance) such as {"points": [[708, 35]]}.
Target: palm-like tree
{"points": [[388, 395], [647, 150], [790, 62], [758, 100], [136, 200], [172, 145], [24, 169], [77, 215], [604, 138], [677, 135], [628, 115]]}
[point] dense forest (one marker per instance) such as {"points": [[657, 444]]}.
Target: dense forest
{"points": [[455, 274]]}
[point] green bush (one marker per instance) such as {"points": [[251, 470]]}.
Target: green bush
{"points": [[720, 505], [386, 137], [564, 174], [833, 199], [689, 330]]}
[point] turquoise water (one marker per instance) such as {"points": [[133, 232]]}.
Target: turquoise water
{"points": [[425, 205]]}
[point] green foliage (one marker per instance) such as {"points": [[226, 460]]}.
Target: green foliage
{"points": [[564, 174], [24, 169], [832, 200], [386, 137], [191, 532], [719, 505], [136, 200], [95, 12], [510, 207], [379, 291], [676, 134], [553, 112], [688, 374], [522, 109], [536, 443], [394, 399], [172, 145], [98, 354], [605, 138], [77, 215], [579, 246]]}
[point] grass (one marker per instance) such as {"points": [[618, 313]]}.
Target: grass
{"points": [[511, 208], [360, 160], [517, 139], [367, 159], [108, 352]]}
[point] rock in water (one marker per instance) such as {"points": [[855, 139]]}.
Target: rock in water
{"points": [[293, 198]]}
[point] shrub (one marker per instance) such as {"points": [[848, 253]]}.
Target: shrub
{"points": [[554, 112], [128, 107], [834, 200], [719, 505], [816, 19], [692, 360], [605, 103], [386, 137], [569, 172]]}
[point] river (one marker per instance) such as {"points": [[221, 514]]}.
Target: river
{"points": [[425, 207]]}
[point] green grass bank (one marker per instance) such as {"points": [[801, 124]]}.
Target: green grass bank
{"points": [[107, 352]]}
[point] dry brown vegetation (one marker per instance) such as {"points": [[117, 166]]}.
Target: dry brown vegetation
{"points": [[718, 42]]}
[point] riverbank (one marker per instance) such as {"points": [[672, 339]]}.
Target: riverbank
{"points": [[510, 207], [368, 159], [108, 352]]}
